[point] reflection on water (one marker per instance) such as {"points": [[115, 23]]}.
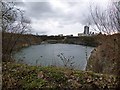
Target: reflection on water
{"points": [[48, 54]]}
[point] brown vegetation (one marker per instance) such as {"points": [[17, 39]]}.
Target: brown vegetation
{"points": [[105, 58], [23, 40]]}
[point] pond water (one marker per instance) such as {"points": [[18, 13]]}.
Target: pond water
{"points": [[55, 54]]}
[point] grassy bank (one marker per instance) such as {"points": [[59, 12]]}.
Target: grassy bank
{"points": [[20, 76]]}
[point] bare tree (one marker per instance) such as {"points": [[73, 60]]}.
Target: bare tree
{"points": [[114, 15], [107, 21], [14, 23]]}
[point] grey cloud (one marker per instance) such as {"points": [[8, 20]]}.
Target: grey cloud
{"points": [[60, 26], [38, 9], [43, 32], [44, 11], [20, 3], [40, 31]]}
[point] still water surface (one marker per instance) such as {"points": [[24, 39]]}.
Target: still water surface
{"points": [[47, 54]]}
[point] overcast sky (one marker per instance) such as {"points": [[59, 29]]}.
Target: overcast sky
{"points": [[53, 17]]}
